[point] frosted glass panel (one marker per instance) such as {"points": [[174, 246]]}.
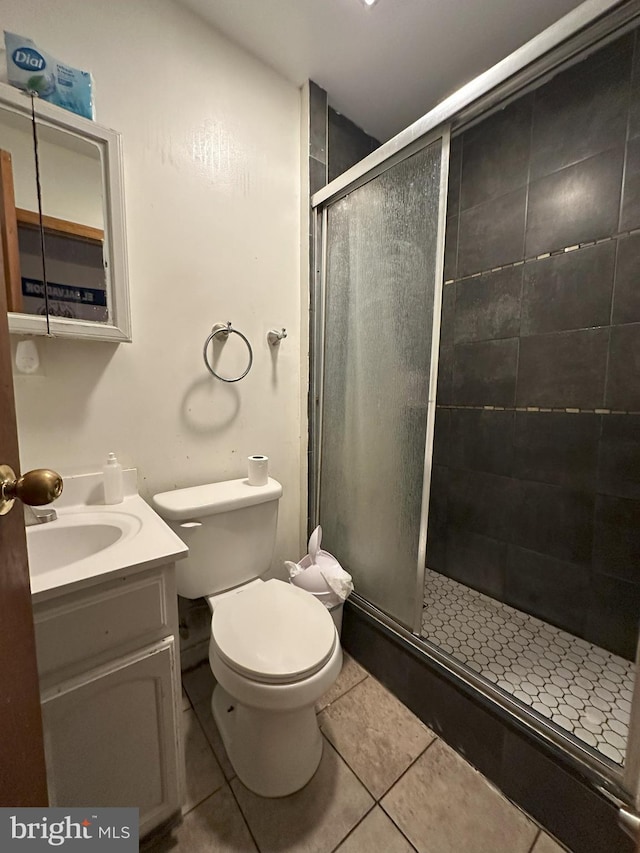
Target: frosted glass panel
{"points": [[380, 279]]}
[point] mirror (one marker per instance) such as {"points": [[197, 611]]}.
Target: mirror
{"points": [[61, 222], [76, 267], [17, 190]]}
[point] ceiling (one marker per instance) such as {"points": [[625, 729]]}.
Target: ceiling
{"points": [[387, 65]]}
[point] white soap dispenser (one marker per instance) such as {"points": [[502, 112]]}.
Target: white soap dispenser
{"points": [[113, 488]]}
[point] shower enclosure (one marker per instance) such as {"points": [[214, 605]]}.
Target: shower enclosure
{"points": [[476, 436], [383, 277]]}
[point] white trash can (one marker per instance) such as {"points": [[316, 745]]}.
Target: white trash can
{"points": [[336, 614], [317, 573]]}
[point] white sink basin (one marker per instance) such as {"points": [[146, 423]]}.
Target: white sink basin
{"points": [[91, 540], [76, 536]]}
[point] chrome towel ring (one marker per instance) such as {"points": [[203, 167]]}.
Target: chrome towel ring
{"points": [[224, 330]]}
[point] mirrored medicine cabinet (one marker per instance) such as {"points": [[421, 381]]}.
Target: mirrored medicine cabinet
{"points": [[62, 222]]}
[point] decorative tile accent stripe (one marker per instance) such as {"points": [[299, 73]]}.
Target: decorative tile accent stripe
{"points": [[544, 256], [535, 409], [578, 686]]}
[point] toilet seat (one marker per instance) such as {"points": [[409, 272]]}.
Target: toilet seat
{"points": [[273, 633]]}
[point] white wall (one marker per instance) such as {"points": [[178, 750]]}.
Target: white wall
{"points": [[212, 182]]}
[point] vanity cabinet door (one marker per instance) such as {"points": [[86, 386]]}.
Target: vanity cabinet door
{"points": [[111, 736]]}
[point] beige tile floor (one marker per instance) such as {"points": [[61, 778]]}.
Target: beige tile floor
{"points": [[386, 784]]}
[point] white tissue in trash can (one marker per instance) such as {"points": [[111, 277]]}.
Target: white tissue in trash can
{"points": [[340, 581], [310, 579], [320, 573]]}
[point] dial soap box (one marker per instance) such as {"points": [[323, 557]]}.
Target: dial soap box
{"points": [[34, 70]]}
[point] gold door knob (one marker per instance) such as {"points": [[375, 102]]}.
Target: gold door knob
{"points": [[35, 488]]}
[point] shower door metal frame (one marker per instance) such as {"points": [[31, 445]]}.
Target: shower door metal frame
{"points": [[441, 133], [569, 40]]}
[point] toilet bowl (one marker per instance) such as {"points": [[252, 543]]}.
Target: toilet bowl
{"points": [[274, 651], [274, 648]]}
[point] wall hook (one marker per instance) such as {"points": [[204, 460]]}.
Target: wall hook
{"points": [[274, 336]]}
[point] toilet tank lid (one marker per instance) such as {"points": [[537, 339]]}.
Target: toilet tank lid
{"points": [[212, 498]]}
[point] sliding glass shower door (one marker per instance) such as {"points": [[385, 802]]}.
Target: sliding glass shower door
{"points": [[381, 294]]}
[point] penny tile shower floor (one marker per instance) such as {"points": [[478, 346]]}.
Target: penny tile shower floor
{"points": [[580, 687]]}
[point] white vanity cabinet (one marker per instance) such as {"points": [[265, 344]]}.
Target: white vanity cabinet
{"points": [[110, 691]]}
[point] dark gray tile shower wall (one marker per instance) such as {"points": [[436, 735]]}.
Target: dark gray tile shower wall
{"points": [[347, 143], [535, 495]]}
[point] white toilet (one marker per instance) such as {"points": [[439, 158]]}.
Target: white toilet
{"points": [[274, 649]]}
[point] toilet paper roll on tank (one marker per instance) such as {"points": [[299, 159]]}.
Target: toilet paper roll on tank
{"points": [[258, 470]]}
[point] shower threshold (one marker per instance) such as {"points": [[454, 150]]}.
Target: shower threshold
{"points": [[580, 687]]}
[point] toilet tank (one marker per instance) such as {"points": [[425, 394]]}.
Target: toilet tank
{"points": [[229, 528]]}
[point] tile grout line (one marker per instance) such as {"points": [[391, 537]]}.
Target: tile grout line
{"points": [[612, 303], [203, 800], [353, 828], [535, 840], [200, 802], [436, 738], [190, 703], [204, 734], [376, 805], [338, 698], [215, 758], [379, 803], [492, 785], [242, 815], [459, 209], [341, 756], [411, 763], [360, 782], [377, 800], [517, 377], [226, 782]]}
